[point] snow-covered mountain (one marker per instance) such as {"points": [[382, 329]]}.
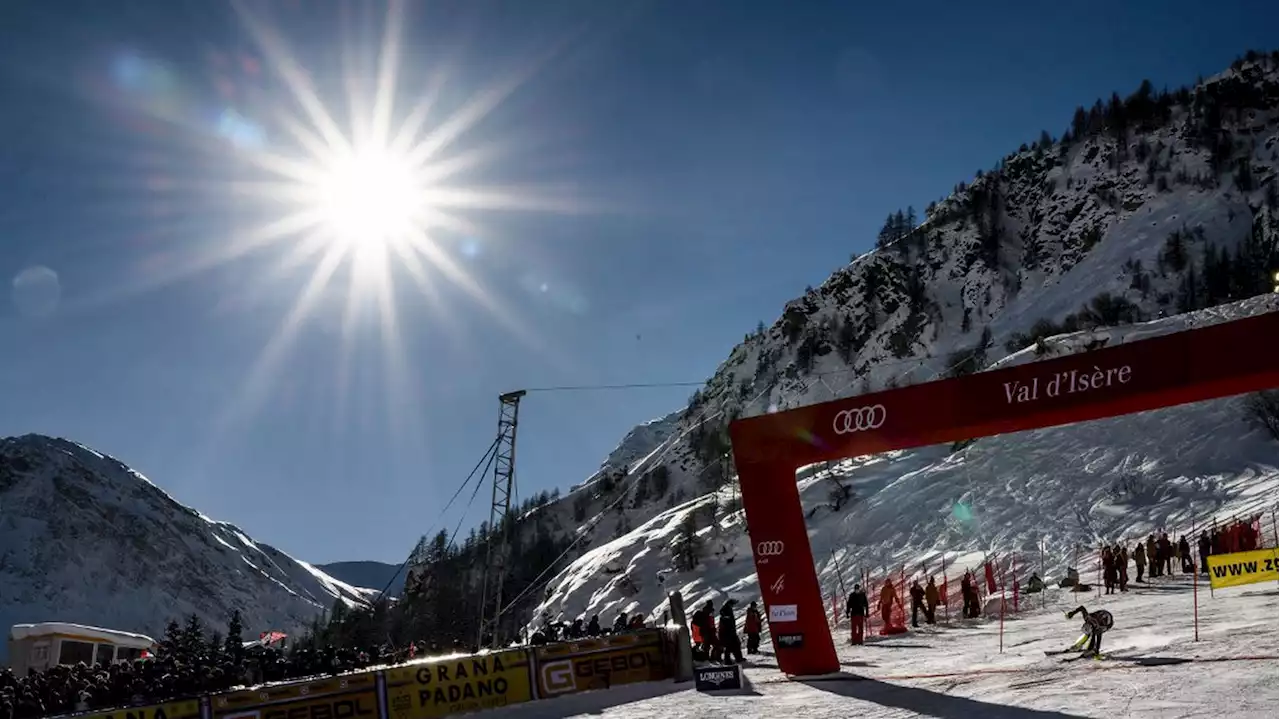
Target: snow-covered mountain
{"points": [[375, 575], [85, 539], [1149, 206]]}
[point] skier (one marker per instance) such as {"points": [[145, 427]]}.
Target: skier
{"points": [[856, 610], [1205, 546], [752, 628], [1095, 624]]}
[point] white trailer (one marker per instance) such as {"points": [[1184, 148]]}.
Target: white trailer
{"points": [[40, 646]]}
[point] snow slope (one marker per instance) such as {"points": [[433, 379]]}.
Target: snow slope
{"points": [[77, 526], [1155, 669], [1038, 237], [1112, 479]]}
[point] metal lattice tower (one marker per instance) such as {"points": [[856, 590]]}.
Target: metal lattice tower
{"points": [[504, 473]]}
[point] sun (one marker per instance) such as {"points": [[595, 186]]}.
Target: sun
{"points": [[368, 199], [378, 201]]}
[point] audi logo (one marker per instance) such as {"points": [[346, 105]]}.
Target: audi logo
{"points": [[769, 549], [856, 420]]}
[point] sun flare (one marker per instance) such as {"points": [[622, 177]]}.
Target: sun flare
{"points": [[381, 202], [369, 199]]}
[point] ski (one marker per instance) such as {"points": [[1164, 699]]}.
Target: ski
{"points": [[1086, 655]]}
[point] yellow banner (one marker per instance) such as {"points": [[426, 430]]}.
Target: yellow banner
{"points": [[352, 696], [1232, 570], [580, 666], [173, 710], [454, 685]]}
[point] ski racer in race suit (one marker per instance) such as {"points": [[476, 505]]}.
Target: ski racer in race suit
{"points": [[1095, 624]]}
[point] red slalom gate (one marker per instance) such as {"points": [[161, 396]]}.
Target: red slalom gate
{"points": [[1189, 366]]}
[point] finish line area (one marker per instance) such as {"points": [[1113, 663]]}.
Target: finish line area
{"points": [[1155, 669]]}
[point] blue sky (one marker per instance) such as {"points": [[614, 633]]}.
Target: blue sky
{"points": [[719, 156]]}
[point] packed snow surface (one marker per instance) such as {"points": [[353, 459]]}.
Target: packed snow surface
{"points": [[1155, 668]]}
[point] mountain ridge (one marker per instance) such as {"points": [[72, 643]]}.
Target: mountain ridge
{"points": [[79, 524]]}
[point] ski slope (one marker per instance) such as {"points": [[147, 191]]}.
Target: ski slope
{"points": [[1058, 490], [1155, 668]]}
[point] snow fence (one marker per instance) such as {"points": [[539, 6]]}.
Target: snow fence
{"points": [[439, 686]]}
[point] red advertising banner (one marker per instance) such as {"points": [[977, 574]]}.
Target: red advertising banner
{"points": [[1188, 366]]}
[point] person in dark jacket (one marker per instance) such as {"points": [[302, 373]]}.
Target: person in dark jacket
{"points": [[1184, 554], [1140, 560], [1205, 547], [593, 626], [856, 609], [1166, 554], [730, 644], [917, 603], [752, 627]]}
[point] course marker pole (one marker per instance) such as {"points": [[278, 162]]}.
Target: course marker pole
{"points": [[1002, 610], [1195, 598]]}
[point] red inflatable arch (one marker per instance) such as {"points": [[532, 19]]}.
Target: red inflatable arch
{"points": [[1188, 366]]}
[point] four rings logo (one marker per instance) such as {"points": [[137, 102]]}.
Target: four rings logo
{"points": [[769, 549], [860, 419], [557, 677]]}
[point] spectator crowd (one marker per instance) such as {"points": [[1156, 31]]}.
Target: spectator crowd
{"points": [[186, 663]]}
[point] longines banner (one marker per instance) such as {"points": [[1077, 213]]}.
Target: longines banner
{"points": [[353, 696], [601, 663], [174, 710], [440, 687]]}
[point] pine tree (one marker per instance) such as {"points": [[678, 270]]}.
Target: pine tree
{"points": [[1189, 291], [685, 549], [660, 479], [235, 637], [641, 492], [216, 647], [192, 641], [171, 644], [885, 237], [1045, 140]]}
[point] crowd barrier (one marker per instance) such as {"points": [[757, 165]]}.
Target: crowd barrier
{"points": [[439, 686]]}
